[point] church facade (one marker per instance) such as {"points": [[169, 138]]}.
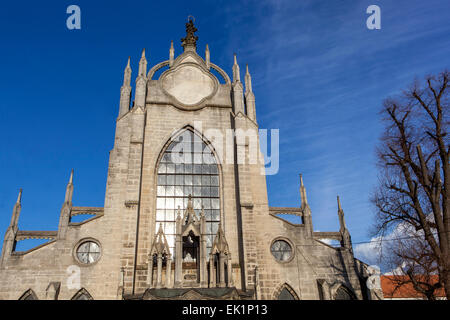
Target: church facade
{"points": [[183, 217]]}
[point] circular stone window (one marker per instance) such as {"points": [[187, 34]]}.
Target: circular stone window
{"points": [[88, 252], [281, 250]]}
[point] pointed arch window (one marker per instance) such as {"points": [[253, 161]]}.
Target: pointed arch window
{"points": [[343, 294], [285, 295], [29, 295], [285, 292], [187, 167], [82, 294]]}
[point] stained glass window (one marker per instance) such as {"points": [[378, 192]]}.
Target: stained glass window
{"points": [[281, 250], [187, 167]]}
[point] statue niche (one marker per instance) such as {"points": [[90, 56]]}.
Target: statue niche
{"points": [[193, 267], [190, 248], [191, 259], [191, 252]]}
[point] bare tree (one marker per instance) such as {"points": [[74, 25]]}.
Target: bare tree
{"points": [[413, 155], [413, 263]]}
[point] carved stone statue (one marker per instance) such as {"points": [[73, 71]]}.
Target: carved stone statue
{"points": [[191, 39]]}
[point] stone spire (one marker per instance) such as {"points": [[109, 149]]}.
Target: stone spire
{"points": [[341, 215], [141, 82], [125, 91], [19, 197], [190, 215], [207, 57], [307, 219], [143, 64], [69, 189], [127, 74], [303, 193], [248, 80], [9, 241], [64, 217], [238, 89], [171, 54], [16, 211], [346, 241], [249, 96], [189, 42], [220, 243], [236, 71], [160, 244]]}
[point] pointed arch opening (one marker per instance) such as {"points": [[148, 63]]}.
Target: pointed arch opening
{"points": [[29, 295], [285, 292], [343, 293], [82, 294], [187, 166]]}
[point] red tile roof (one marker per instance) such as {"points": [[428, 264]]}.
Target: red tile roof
{"points": [[405, 291]]}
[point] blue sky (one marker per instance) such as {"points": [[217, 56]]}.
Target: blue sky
{"points": [[319, 75]]}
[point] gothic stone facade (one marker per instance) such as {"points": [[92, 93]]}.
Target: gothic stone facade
{"points": [[200, 229]]}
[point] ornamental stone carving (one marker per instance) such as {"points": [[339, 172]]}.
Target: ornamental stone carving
{"points": [[188, 85]]}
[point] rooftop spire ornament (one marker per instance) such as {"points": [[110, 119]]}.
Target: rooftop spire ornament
{"points": [[190, 41]]}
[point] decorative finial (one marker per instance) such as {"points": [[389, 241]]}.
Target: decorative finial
{"points": [[142, 65], [19, 198], [16, 211], [341, 216], [202, 213], [71, 177], [236, 71], [207, 57], [303, 193], [190, 41], [171, 54], [189, 204], [248, 80], [127, 75]]}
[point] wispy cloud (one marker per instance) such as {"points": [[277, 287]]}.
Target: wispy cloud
{"points": [[379, 250]]}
